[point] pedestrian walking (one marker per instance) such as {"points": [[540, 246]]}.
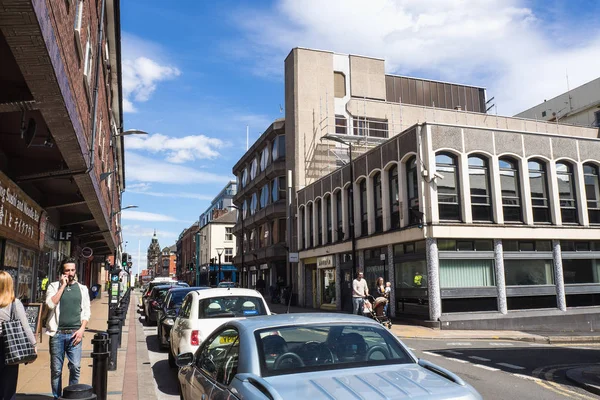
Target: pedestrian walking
{"points": [[9, 305], [69, 305], [360, 290]]}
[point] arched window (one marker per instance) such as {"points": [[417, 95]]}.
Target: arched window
{"points": [[364, 211], [479, 181], [511, 196], [350, 210], [377, 203], [318, 206], [447, 187], [339, 225], [592, 192], [566, 193], [394, 197], [329, 237], [539, 191], [412, 189], [311, 226], [301, 225]]}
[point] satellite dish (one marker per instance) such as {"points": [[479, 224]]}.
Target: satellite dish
{"points": [[30, 132]]}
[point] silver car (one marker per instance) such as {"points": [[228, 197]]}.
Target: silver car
{"points": [[311, 356]]}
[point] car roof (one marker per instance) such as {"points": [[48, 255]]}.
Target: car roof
{"points": [[165, 286], [223, 292], [187, 289], [281, 320]]}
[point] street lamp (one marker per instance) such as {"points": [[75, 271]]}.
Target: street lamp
{"points": [[242, 241], [351, 213], [219, 252], [131, 132], [124, 208]]}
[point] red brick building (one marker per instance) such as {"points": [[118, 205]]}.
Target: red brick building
{"points": [[61, 153], [166, 262], [186, 255]]}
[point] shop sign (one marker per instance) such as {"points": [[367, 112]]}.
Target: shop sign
{"points": [[19, 214], [293, 257], [253, 268], [264, 266], [65, 236], [325, 262]]}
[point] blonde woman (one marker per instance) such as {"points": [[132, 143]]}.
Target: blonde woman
{"points": [[10, 373]]}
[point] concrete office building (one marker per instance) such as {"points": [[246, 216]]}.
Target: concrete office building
{"points": [[222, 201], [578, 106]]}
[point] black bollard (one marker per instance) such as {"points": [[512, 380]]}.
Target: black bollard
{"points": [[79, 391], [113, 333], [121, 318], [100, 365]]}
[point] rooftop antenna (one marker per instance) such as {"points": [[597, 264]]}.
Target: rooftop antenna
{"points": [[569, 91], [247, 137]]}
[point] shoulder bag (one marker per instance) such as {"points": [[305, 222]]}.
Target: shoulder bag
{"points": [[18, 349]]}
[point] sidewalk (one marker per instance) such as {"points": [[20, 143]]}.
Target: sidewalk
{"points": [[34, 379]]}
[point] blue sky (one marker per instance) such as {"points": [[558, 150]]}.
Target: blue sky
{"points": [[196, 73]]}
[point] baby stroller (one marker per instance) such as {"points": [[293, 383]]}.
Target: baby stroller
{"points": [[375, 308]]}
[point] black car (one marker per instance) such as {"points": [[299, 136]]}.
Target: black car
{"points": [[168, 312], [154, 301], [148, 291]]}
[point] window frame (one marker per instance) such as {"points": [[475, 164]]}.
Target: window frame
{"points": [[506, 206], [394, 203], [543, 203], [378, 202], [484, 170], [446, 208], [319, 208], [339, 215], [328, 219], [364, 210], [592, 171], [569, 214]]}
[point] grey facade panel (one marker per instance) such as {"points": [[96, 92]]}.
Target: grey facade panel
{"points": [[301, 197], [564, 147], [374, 160], [478, 140], [389, 152], [346, 174], [444, 137], [336, 179], [326, 185], [317, 189], [589, 150], [310, 193], [360, 166], [408, 143], [508, 142], [519, 291], [468, 292], [536, 145]]}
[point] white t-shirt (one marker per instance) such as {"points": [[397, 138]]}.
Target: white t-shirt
{"points": [[359, 288]]}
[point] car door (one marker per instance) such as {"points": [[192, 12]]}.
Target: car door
{"points": [[213, 367], [180, 323]]}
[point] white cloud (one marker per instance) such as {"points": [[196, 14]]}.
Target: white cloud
{"points": [[499, 44], [178, 149], [142, 70], [144, 169], [145, 189], [145, 216], [139, 232]]}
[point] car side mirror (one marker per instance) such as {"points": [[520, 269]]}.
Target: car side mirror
{"points": [[184, 359]]}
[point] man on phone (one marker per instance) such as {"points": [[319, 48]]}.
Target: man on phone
{"points": [[69, 304]]}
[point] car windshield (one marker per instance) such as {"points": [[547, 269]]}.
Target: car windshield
{"points": [[231, 306], [177, 297], [296, 349]]}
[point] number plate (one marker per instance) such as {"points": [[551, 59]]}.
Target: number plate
{"points": [[227, 339]]}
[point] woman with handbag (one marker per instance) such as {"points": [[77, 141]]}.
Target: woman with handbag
{"points": [[11, 309]]}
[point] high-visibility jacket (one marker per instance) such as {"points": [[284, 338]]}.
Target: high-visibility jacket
{"points": [[45, 283], [418, 279]]}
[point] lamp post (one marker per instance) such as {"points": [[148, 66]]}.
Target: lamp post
{"points": [[219, 252], [242, 241], [351, 196]]}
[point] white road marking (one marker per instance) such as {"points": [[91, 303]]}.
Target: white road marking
{"points": [[531, 378], [411, 349], [486, 367], [456, 353], [510, 366], [457, 360], [458, 344], [479, 358], [501, 344], [431, 354]]}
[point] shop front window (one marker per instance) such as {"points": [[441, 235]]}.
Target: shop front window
{"points": [[328, 285], [581, 271], [466, 273], [11, 264], [24, 288], [411, 274], [528, 272]]}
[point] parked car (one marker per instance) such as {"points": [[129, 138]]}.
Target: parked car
{"points": [[313, 356], [154, 302], [152, 285], [227, 285], [203, 311], [168, 312]]}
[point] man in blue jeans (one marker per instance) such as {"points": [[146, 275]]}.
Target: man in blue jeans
{"points": [[69, 304], [359, 292]]}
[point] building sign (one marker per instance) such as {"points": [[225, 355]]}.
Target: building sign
{"points": [[264, 266], [19, 215], [325, 262], [65, 236]]}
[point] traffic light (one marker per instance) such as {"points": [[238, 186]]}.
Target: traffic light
{"points": [[124, 259]]}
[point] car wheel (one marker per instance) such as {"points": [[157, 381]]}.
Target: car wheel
{"points": [[171, 360]]}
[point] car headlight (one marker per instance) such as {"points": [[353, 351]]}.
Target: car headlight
{"points": [[169, 321]]}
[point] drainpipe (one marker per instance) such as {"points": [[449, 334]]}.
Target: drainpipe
{"points": [[96, 83]]}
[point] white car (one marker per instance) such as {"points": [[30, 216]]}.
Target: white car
{"points": [[203, 311]]}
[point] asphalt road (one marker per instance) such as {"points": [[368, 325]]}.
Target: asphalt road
{"points": [[511, 370]]}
